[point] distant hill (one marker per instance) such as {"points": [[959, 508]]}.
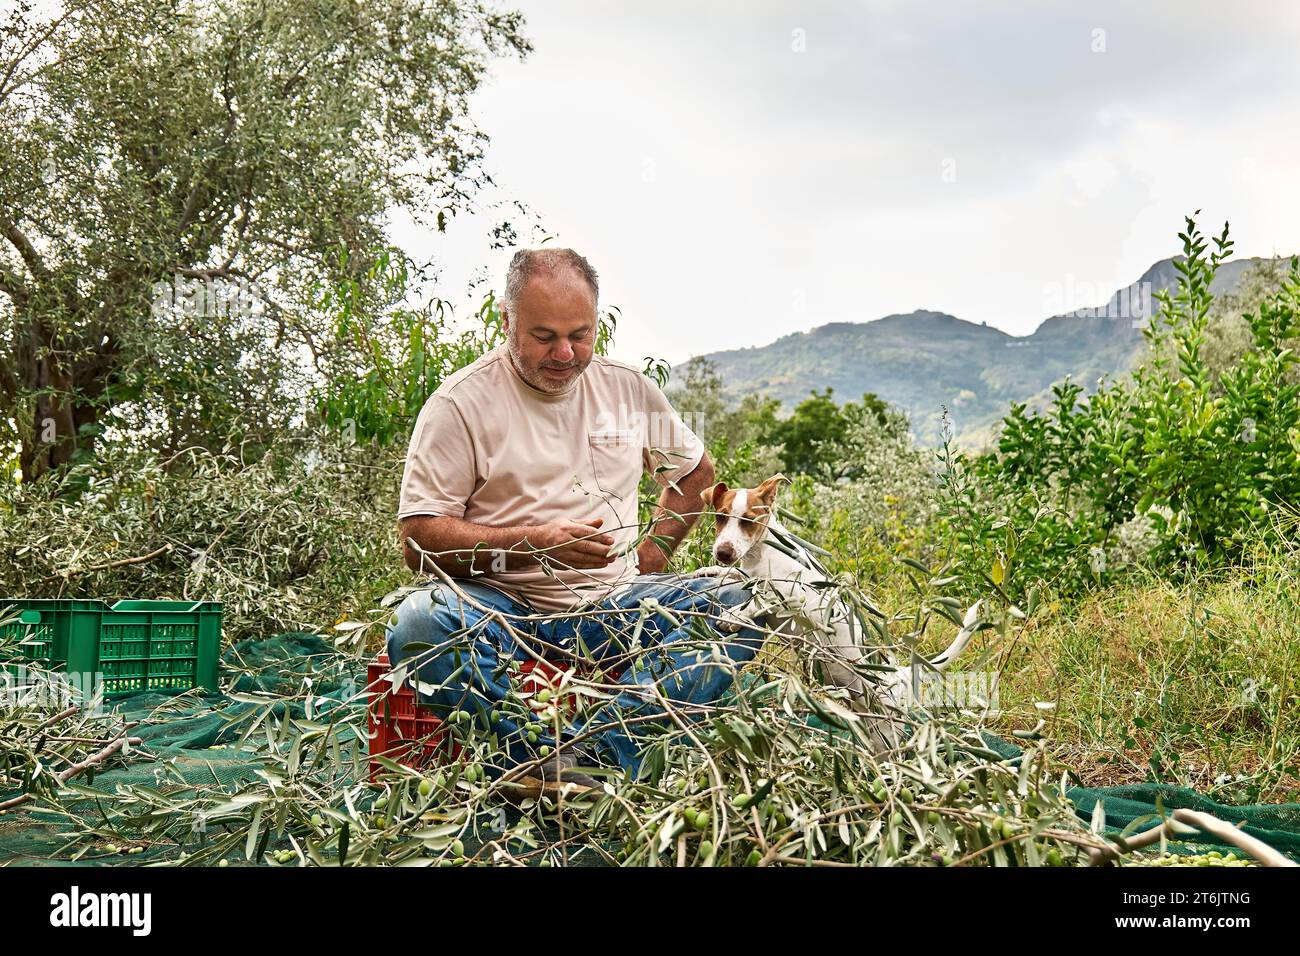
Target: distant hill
{"points": [[924, 360]]}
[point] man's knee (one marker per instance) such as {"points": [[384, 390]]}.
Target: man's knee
{"points": [[734, 595], [427, 616]]}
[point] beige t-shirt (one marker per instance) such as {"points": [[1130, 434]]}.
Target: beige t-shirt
{"points": [[491, 449]]}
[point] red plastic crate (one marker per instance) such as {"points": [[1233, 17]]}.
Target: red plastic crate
{"points": [[410, 734]]}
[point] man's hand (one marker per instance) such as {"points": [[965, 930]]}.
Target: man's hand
{"points": [[572, 543], [449, 543]]}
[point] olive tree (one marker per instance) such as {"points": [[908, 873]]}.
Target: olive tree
{"points": [[176, 176]]}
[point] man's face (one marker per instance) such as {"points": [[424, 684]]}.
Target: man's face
{"points": [[552, 332]]}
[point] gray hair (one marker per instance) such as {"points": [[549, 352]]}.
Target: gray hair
{"points": [[528, 263]]}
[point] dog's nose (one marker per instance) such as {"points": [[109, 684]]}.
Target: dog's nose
{"points": [[725, 553]]}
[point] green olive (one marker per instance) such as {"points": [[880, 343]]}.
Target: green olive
{"points": [[425, 788]]}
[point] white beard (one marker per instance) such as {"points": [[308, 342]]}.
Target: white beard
{"points": [[536, 381]]}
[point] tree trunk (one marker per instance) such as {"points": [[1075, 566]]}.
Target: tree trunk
{"points": [[51, 435]]}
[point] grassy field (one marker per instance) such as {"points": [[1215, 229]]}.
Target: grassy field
{"points": [[1195, 683]]}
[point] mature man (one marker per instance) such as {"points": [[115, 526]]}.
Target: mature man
{"points": [[521, 484]]}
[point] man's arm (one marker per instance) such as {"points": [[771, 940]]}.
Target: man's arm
{"points": [[450, 543], [686, 502]]}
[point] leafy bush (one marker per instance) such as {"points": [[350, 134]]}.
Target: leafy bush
{"points": [[885, 511], [288, 540], [827, 440], [1183, 460]]}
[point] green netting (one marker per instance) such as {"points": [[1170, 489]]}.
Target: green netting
{"points": [[189, 741], [190, 745], [1278, 824]]}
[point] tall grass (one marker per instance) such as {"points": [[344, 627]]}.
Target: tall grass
{"points": [[1195, 683]]}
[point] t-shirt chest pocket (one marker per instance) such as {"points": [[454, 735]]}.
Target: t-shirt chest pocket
{"points": [[616, 460]]}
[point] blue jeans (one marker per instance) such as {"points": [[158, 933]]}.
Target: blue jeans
{"points": [[461, 655]]}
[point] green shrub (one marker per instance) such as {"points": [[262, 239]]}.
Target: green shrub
{"points": [[885, 511], [1177, 466], [288, 540]]}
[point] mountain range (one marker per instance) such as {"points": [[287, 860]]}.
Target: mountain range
{"points": [[925, 360]]}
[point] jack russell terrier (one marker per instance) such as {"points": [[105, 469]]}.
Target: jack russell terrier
{"points": [[750, 537]]}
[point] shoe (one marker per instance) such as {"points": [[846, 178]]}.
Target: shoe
{"points": [[564, 773]]}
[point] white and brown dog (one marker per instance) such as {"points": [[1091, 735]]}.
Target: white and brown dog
{"points": [[752, 539]]}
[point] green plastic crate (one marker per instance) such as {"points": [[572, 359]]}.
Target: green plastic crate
{"points": [[135, 645]]}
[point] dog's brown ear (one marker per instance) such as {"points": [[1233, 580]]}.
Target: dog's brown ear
{"points": [[709, 495], [766, 492]]}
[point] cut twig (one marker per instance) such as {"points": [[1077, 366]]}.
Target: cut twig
{"points": [[112, 747], [100, 756], [123, 562], [1205, 822], [57, 717], [1230, 834]]}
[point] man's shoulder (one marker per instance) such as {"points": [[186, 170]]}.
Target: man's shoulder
{"points": [[481, 373], [615, 371], [462, 391]]}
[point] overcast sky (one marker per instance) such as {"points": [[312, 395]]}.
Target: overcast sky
{"points": [[740, 170]]}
